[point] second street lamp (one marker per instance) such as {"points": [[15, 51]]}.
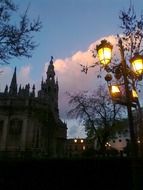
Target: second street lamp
{"points": [[124, 71], [137, 64]]}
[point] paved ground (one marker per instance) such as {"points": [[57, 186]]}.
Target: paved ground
{"points": [[97, 174]]}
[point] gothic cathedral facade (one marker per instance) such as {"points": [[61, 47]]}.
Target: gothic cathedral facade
{"points": [[30, 124]]}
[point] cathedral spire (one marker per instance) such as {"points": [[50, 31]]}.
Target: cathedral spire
{"points": [[6, 90], [13, 85]]}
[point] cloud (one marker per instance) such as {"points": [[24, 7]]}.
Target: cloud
{"points": [[24, 75], [71, 79], [75, 129]]}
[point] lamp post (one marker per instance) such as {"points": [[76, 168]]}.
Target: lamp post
{"points": [[104, 51]]}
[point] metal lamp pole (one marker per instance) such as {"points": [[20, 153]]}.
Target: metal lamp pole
{"points": [[134, 147], [104, 53]]}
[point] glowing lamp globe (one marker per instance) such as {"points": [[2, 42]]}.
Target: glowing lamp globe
{"points": [[104, 51], [134, 95], [75, 140], [137, 64], [115, 91]]}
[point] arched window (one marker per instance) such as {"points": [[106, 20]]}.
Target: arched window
{"points": [[36, 138], [15, 127], [14, 134]]}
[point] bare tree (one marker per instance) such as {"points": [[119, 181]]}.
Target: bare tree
{"points": [[96, 111], [16, 40]]}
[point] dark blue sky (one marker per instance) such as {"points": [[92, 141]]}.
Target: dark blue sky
{"points": [[72, 25]]}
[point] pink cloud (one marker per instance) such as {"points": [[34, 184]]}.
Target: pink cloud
{"points": [[71, 79]]}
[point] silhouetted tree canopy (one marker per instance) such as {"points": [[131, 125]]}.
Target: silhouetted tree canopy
{"points": [[16, 33], [102, 119]]}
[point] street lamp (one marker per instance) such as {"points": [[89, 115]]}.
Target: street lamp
{"points": [[137, 64], [117, 92], [104, 52]]}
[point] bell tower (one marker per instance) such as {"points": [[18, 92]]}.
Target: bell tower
{"points": [[50, 89]]}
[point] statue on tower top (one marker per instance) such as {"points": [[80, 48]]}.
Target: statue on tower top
{"points": [[51, 61]]}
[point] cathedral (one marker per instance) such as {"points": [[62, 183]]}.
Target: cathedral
{"points": [[29, 124]]}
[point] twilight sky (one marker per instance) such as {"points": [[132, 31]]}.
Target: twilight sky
{"points": [[70, 29]]}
